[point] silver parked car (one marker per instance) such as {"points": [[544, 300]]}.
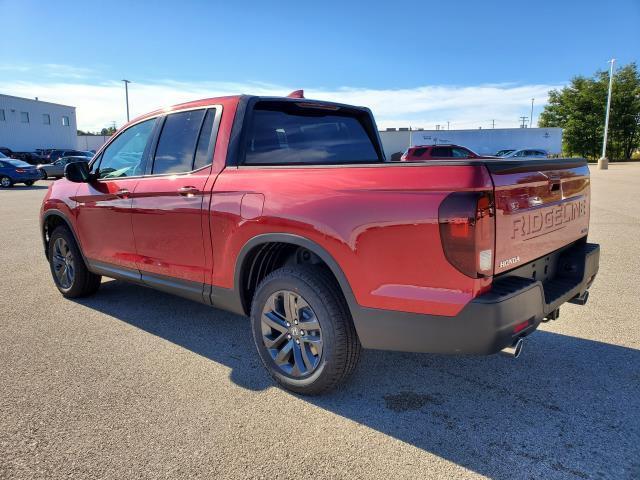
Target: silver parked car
{"points": [[56, 169], [526, 153]]}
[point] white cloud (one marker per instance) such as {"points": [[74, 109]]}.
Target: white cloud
{"points": [[98, 105]]}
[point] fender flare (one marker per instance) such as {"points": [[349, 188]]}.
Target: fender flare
{"points": [[300, 241], [54, 212]]}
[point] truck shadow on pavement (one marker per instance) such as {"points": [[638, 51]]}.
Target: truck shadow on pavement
{"points": [[567, 408]]}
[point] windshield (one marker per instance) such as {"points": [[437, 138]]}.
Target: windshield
{"points": [[2, 155]]}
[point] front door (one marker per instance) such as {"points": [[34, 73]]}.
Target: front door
{"points": [[104, 205], [170, 203]]}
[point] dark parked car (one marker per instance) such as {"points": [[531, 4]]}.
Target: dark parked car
{"points": [[7, 152], [56, 169], [14, 171], [56, 154], [31, 158]]}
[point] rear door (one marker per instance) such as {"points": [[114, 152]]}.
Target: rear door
{"points": [[104, 205], [168, 214], [541, 206]]}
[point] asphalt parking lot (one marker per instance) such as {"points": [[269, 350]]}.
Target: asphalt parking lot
{"points": [[137, 383]]}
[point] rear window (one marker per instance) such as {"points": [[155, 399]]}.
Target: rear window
{"points": [[17, 163], [287, 133]]}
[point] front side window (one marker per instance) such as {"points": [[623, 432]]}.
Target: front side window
{"points": [[65, 121], [24, 117], [46, 119], [290, 133], [124, 157], [177, 143], [459, 153]]}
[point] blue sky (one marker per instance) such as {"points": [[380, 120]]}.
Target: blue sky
{"points": [[430, 52]]}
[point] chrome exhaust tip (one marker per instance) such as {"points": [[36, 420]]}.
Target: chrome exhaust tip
{"points": [[514, 350]]}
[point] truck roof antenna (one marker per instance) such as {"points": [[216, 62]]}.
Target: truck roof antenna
{"points": [[296, 94]]}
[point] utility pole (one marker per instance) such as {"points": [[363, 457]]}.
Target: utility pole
{"points": [[493, 124], [447, 124], [603, 162], [437, 127], [126, 95], [531, 116], [524, 122]]}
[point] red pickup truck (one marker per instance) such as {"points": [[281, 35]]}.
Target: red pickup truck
{"points": [[285, 210]]}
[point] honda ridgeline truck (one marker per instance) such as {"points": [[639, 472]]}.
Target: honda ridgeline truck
{"points": [[285, 210]]}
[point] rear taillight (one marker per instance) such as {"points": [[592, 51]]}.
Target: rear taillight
{"points": [[20, 170], [467, 232]]}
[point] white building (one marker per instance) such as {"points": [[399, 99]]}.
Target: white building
{"points": [[27, 124], [483, 141], [91, 142]]}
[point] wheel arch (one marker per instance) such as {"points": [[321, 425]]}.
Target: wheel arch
{"points": [[253, 251], [51, 219]]}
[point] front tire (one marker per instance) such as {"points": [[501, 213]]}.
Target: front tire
{"points": [[43, 173], [70, 273], [303, 330]]}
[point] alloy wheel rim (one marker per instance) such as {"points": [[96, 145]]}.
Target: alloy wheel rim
{"points": [[5, 182], [63, 263], [291, 333]]}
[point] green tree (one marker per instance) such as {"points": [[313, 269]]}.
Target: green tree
{"points": [[108, 131], [580, 110]]}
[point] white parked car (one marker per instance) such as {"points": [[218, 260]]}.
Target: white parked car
{"points": [[524, 153]]}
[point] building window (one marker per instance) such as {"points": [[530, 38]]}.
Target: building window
{"points": [[46, 119], [65, 121], [2, 117], [24, 117]]}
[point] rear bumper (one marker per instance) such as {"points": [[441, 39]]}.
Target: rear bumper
{"points": [[486, 324]]}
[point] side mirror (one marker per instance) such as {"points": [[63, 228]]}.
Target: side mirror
{"points": [[77, 172]]}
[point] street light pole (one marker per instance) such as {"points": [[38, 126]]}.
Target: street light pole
{"points": [[126, 95], [603, 163], [531, 116]]}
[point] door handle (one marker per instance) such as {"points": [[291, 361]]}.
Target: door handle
{"points": [[188, 191], [122, 193]]}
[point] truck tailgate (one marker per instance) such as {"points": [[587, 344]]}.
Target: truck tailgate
{"points": [[541, 206]]}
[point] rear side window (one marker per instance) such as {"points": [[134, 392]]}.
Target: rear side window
{"points": [[202, 157], [441, 152], [177, 143], [288, 133]]}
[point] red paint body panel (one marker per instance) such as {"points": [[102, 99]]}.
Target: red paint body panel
{"points": [[168, 225], [103, 220], [380, 223]]}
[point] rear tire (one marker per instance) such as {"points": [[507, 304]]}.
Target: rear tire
{"points": [[5, 182], [311, 361], [29, 183], [70, 273]]}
